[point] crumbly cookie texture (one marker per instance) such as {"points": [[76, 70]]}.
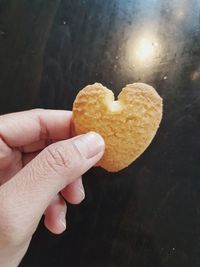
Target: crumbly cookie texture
{"points": [[127, 125]]}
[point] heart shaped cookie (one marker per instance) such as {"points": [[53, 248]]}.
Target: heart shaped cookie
{"points": [[127, 125]]}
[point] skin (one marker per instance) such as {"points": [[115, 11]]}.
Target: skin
{"points": [[41, 165]]}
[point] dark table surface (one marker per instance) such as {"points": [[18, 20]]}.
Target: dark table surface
{"points": [[147, 215]]}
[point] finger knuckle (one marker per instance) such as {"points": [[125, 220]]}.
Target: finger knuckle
{"points": [[3, 157], [37, 110], [58, 158]]}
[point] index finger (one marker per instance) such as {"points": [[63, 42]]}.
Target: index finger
{"points": [[26, 127]]}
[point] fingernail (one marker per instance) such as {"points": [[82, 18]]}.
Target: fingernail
{"points": [[62, 220], [90, 144], [80, 188], [82, 193]]}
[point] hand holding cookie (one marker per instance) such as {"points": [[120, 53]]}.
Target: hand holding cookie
{"points": [[127, 125]]}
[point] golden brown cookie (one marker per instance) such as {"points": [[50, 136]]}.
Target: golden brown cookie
{"points": [[127, 125]]}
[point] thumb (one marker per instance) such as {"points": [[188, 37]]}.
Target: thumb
{"points": [[32, 189]]}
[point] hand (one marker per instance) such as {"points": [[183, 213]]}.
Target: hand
{"points": [[36, 163]]}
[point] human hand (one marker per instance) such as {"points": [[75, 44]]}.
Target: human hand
{"points": [[36, 163]]}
